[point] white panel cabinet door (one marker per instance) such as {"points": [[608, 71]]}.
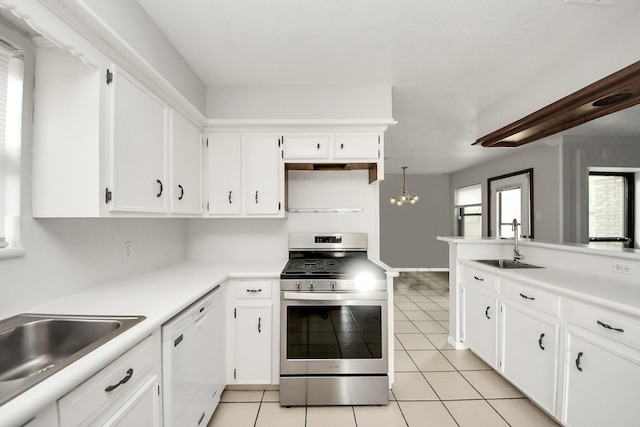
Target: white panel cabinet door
{"points": [[186, 170], [140, 410], [306, 146], [253, 344], [225, 174], [262, 174], [357, 146], [530, 353], [138, 146], [481, 324], [602, 385]]}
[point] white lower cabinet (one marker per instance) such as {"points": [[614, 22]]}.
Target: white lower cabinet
{"points": [[126, 393], [530, 354], [253, 344], [480, 328], [252, 334], [602, 383], [47, 417]]}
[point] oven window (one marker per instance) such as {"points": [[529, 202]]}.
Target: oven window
{"points": [[334, 332]]}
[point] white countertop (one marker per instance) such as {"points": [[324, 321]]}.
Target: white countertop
{"points": [[620, 295], [159, 295]]}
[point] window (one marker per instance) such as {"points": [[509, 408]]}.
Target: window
{"points": [[511, 197], [468, 211], [11, 75], [611, 209]]}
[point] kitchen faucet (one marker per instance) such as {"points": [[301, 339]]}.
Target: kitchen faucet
{"points": [[516, 253]]}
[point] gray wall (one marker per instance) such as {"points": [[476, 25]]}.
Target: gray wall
{"points": [[545, 160], [408, 233]]}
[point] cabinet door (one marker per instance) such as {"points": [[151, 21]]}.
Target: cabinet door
{"points": [[262, 173], [481, 324], [306, 147], [142, 409], [138, 141], [530, 355], [601, 385], [186, 176], [225, 174], [363, 146], [253, 344]]}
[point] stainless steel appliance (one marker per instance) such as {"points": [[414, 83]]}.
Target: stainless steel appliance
{"points": [[333, 323]]}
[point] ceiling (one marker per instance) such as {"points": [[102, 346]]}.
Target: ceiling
{"points": [[446, 61]]}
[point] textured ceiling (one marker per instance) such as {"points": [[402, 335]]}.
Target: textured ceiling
{"points": [[446, 61]]}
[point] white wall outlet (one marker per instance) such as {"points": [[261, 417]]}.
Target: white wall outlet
{"points": [[623, 268], [127, 250]]}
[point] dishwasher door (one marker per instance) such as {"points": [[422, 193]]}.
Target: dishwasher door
{"points": [[193, 362]]}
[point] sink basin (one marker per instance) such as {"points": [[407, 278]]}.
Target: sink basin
{"points": [[35, 346], [506, 263]]}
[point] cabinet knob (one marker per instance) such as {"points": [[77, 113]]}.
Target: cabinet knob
{"points": [[342, 146], [318, 147], [259, 325], [230, 196], [256, 196], [181, 192], [486, 312]]}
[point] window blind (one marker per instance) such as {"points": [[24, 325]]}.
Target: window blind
{"points": [[5, 56]]}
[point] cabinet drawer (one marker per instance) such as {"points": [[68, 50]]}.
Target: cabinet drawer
{"points": [[532, 297], [306, 147], [253, 289], [480, 278], [91, 398], [617, 326]]}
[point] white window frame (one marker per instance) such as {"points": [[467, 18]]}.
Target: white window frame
{"points": [[10, 151]]}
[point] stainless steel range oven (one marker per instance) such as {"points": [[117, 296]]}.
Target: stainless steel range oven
{"points": [[334, 324]]}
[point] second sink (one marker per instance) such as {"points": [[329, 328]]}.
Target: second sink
{"points": [[506, 263]]}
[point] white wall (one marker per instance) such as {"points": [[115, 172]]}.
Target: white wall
{"points": [[132, 23], [408, 233], [64, 256], [299, 102], [267, 238], [544, 158]]}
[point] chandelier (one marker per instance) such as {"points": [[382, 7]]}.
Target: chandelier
{"points": [[404, 197]]}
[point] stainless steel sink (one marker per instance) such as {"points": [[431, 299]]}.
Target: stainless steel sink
{"points": [[35, 346], [506, 263]]}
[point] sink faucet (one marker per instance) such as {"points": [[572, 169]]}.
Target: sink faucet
{"points": [[516, 253]]}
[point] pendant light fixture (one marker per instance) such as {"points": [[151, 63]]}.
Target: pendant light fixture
{"points": [[404, 197]]}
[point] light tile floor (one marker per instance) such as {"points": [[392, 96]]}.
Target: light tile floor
{"points": [[435, 385]]}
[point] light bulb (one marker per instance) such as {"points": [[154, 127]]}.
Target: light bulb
{"points": [[413, 201], [399, 203], [415, 198], [392, 201], [404, 198]]}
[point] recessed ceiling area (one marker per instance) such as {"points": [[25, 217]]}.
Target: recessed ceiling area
{"points": [[447, 62]]}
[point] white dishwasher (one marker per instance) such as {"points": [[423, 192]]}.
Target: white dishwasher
{"points": [[193, 360]]}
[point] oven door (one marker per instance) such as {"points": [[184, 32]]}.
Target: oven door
{"points": [[333, 333]]}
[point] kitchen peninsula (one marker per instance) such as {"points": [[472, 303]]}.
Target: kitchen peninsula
{"points": [[567, 334]]}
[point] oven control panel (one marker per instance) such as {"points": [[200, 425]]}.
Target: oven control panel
{"points": [[328, 239], [338, 285]]}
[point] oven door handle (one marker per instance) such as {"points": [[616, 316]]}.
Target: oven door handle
{"points": [[331, 296]]}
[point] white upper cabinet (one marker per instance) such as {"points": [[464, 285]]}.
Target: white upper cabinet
{"points": [[225, 174], [306, 146], [186, 166], [246, 175], [138, 139], [357, 146], [262, 175]]}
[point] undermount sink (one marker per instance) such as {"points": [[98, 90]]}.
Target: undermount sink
{"points": [[35, 346], [506, 263]]}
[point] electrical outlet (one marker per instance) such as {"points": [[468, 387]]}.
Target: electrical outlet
{"points": [[126, 250], [623, 268]]}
